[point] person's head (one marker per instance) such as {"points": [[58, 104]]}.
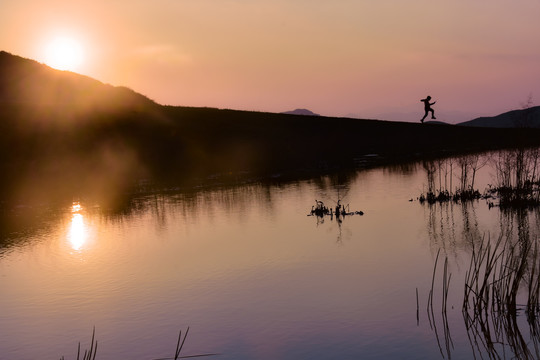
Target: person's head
{"points": [[428, 97]]}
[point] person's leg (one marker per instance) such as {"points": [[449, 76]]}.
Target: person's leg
{"points": [[432, 114], [426, 114]]}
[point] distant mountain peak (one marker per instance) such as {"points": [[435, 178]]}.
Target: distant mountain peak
{"points": [[301, 112], [528, 118]]}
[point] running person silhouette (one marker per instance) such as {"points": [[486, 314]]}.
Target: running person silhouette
{"points": [[427, 108]]}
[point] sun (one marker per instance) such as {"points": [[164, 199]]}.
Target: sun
{"points": [[64, 53]]}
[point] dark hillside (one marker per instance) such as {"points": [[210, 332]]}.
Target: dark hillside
{"points": [[529, 117], [63, 134], [24, 81], [239, 140]]}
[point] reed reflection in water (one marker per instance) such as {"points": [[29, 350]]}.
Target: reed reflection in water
{"points": [[499, 292], [501, 283]]}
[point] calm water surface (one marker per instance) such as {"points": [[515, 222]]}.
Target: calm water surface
{"points": [[248, 272]]}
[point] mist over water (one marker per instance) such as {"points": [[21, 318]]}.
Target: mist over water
{"points": [[250, 273]]}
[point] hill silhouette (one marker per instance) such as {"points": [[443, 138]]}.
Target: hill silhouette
{"points": [[63, 134], [28, 82], [436, 122], [529, 117], [301, 112]]}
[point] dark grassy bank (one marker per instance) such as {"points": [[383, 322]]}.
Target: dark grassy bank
{"points": [[62, 134]]}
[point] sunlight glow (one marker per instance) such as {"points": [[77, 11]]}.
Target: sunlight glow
{"points": [[64, 53]]}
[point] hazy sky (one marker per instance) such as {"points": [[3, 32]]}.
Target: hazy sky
{"points": [[370, 58]]}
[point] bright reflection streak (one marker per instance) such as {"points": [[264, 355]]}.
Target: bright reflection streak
{"points": [[78, 232]]}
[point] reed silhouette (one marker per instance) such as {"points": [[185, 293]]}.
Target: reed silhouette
{"points": [[501, 284], [464, 168], [90, 354], [517, 177]]}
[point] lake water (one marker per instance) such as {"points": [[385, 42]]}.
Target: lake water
{"points": [[250, 274]]}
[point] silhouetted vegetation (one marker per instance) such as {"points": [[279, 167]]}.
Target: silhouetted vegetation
{"points": [[64, 135], [322, 210], [440, 174], [516, 182], [502, 283], [517, 177], [90, 354]]}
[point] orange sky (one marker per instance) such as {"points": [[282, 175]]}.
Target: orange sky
{"points": [[366, 58]]}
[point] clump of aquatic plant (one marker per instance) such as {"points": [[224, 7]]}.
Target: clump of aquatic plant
{"points": [[431, 198], [501, 294], [440, 175], [503, 281], [320, 210], [517, 176], [466, 195], [497, 273]]}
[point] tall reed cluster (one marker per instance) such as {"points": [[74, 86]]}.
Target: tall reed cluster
{"points": [[503, 281], [452, 178], [517, 173]]}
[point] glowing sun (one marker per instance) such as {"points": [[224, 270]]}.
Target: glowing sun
{"points": [[64, 53]]}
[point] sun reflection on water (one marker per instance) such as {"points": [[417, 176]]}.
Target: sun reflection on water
{"points": [[78, 233], [76, 207]]}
